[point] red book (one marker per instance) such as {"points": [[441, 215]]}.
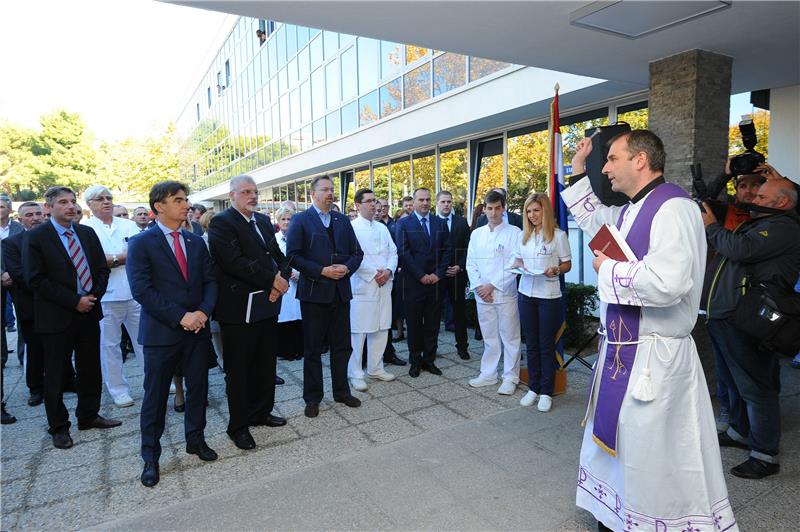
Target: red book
{"points": [[609, 241]]}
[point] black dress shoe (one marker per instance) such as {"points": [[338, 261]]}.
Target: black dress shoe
{"points": [[394, 359], [179, 407], [243, 439], [35, 399], [100, 423], [203, 451], [62, 440], [463, 355], [7, 419], [478, 334], [727, 441], [413, 371], [279, 381], [755, 469], [312, 410], [150, 476], [349, 400], [430, 367], [269, 421]]}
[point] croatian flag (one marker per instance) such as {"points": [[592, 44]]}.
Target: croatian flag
{"points": [[557, 165], [559, 209]]}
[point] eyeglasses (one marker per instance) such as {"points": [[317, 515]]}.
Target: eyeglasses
{"points": [[103, 198]]}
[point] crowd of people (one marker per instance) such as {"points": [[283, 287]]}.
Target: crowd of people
{"points": [[195, 288]]}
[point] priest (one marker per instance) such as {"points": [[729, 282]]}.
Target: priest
{"points": [[650, 458], [371, 284]]}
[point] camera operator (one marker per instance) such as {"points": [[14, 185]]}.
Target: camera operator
{"points": [[735, 208], [767, 250]]}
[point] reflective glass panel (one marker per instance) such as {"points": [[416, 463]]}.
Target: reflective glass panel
{"points": [[479, 67], [391, 98], [491, 175], [316, 52], [425, 171], [285, 120], [302, 36], [318, 93], [637, 119], [291, 72], [331, 39], [318, 132], [401, 181], [349, 74], [528, 167], [332, 125], [280, 41], [276, 123], [291, 40], [294, 108], [449, 72], [417, 85], [305, 138], [415, 52], [380, 182], [303, 63], [453, 176], [305, 101], [332, 81], [350, 117], [391, 58], [367, 64], [368, 108]]}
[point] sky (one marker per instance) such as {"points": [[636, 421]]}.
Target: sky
{"points": [[127, 66]]}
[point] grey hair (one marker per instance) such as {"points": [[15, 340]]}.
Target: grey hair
{"points": [[790, 193], [283, 210], [239, 179], [95, 190]]}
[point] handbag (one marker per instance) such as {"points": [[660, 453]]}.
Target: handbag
{"points": [[771, 317]]}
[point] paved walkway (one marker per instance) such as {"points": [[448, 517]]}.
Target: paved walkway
{"points": [[426, 453]]}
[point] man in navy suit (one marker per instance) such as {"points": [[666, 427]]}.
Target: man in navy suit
{"points": [[322, 246], [423, 246], [171, 276]]}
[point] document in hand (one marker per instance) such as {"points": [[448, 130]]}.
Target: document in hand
{"points": [[610, 242], [258, 306]]}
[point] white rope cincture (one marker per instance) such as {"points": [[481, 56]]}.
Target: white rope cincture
{"points": [[643, 389]]}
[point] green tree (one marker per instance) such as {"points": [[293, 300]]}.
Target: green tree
{"points": [[64, 152], [17, 162]]}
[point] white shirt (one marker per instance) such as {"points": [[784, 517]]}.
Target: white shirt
{"points": [[540, 255], [489, 257], [114, 239]]}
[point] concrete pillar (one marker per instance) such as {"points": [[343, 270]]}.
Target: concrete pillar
{"points": [[784, 131], [689, 108]]}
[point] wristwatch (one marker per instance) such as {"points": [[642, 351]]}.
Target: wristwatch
{"points": [[116, 260]]}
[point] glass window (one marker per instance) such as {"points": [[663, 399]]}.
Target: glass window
{"points": [[316, 52], [350, 117], [333, 126], [368, 108], [449, 72], [294, 108], [294, 142], [302, 36], [391, 98], [285, 121], [292, 193], [283, 80], [401, 181], [303, 63], [318, 93], [417, 85], [305, 138], [425, 170], [305, 101], [349, 74], [453, 175], [318, 133], [264, 64], [380, 182], [361, 180], [367, 64], [272, 48], [291, 40], [332, 81], [491, 168], [267, 119], [415, 52], [331, 39], [280, 42], [291, 72], [528, 166], [313, 32], [391, 58], [479, 67], [276, 122], [637, 118]]}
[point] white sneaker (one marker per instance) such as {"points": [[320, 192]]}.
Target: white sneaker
{"points": [[507, 388], [479, 381], [172, 388], [359, 385], [545, 402], [123, 400], [529, 399], [383, 375]]}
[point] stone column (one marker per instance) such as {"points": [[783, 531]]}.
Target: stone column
{"points": [[689, 108]]}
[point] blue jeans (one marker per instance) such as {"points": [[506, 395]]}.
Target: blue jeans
{"points": [[755, 378], [539, 322]]}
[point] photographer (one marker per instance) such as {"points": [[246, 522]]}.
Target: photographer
{"points": [[734, 209], [763, 250]]}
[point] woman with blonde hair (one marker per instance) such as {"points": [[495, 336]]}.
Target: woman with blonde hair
{"points": [[544, 252]]}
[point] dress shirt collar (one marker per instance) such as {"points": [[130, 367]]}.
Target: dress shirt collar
{"points": [[319, 211], [246, 219], [167, 231], [60, 228], [647, 188], [427, 216]]}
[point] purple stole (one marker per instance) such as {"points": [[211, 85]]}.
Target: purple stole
{"points": [[622, 325]]}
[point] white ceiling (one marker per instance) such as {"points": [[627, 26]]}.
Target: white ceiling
{"points": [[762, 37]]}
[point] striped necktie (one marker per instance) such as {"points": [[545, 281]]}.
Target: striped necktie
{"points": [[79, 260]]}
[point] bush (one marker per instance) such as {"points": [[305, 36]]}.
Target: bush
{"points": [[581, 303]]}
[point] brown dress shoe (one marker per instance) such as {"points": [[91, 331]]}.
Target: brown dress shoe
{"points": [[62, 440]]}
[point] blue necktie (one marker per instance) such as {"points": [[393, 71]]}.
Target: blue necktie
{"points": [[424, 222]]}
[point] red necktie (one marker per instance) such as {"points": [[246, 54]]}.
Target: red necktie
{"points": [[181, 258], [79, 260]]}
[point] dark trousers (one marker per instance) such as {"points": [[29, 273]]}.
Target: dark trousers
{"points": [[249, 371], [539, 321], [423, 315], [160, 363], [755, 407], [34, 354], [289, 342], [454, 294], [83, 338], [321, 322], [3, 339]]}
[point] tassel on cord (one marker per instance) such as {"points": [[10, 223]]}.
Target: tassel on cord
{"points": [[643, 389]]}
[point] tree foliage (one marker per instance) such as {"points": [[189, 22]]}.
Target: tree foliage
{"points": [[761, 121]]}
